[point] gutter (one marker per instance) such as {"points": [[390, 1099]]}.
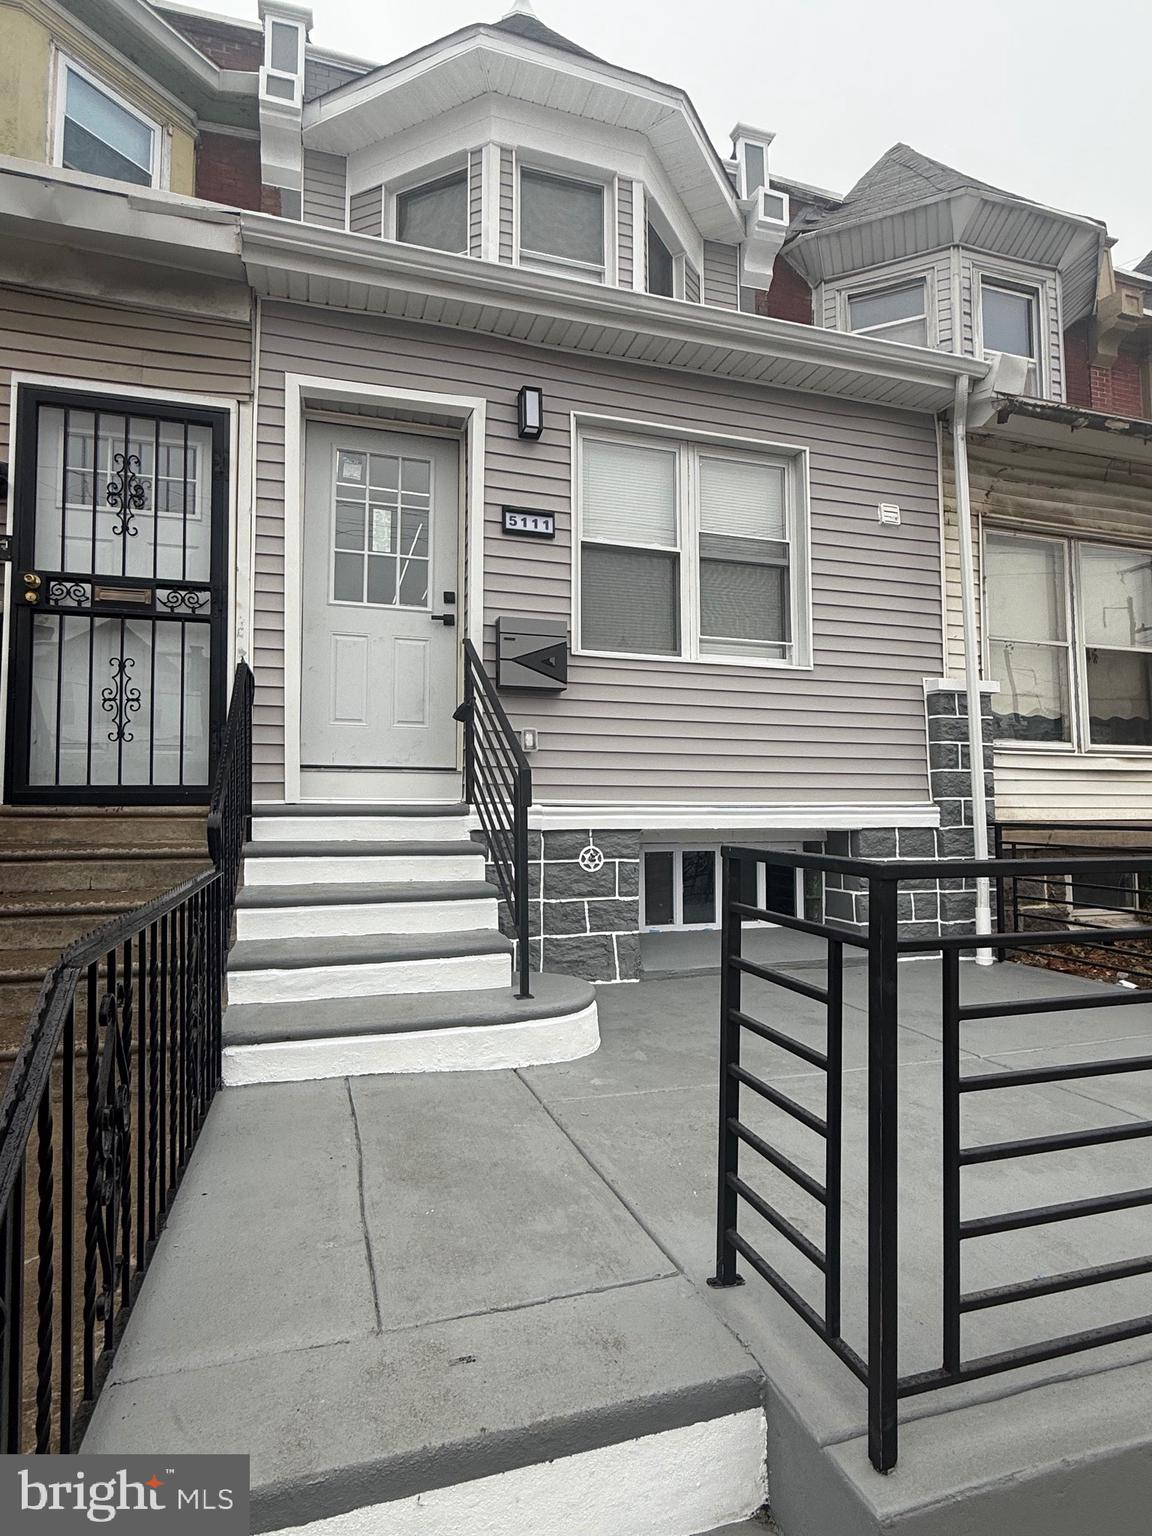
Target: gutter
{"points": [[1077, 418], [971, 662]]}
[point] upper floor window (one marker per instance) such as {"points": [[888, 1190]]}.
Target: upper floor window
{"points": [[435, 214], [896, 314], [1070, 640], [562, 224], [1008, 324], [689, 550], [283, 61], [99, 133], [661, 266]]}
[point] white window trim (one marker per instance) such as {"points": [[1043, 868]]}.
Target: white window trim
{"points": [[268, 72], [1080, 744], [677, 925], [874, 289], [1031, 289], [605, 275], [654, 215], [161, 139], [795, 460], [764, 144], [427, 177]]}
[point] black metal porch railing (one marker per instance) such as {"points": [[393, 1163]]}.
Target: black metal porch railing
{"points": [[876, 1362], [1112, 896], [103, 1107], [498, 786]]}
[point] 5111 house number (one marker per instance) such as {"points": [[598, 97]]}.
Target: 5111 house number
{"points": [[529, 524]]}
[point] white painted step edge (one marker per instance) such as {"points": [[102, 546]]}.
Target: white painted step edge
{"points": [[441, 973], [368, 869], [359, 829], [470, 915], [477, 1048], [673, 1483]]}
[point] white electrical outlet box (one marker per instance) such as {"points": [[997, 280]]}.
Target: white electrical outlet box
{"points": [[889, 514], [529, 739]]}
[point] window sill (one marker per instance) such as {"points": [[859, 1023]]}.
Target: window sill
{"points": [[760, 664]]}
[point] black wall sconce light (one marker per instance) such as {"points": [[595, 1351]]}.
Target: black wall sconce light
{"points": [[530, 411]]}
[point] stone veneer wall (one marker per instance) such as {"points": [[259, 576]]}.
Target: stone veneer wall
{"points": [[931, 907], [584, 912]]}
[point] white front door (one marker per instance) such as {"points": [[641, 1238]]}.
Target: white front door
{"points": [[379, 665]]}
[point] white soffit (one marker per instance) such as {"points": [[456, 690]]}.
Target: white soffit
{"points": [[485, 62], [308, 265]]}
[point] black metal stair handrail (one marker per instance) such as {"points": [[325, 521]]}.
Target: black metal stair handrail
{"points": [[116, 1073], [498, 786]]}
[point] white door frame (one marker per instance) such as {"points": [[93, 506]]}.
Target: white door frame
{"points": [[239, 511], [467, 411]]}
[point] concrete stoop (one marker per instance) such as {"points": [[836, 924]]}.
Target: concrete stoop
{"points": [[367, 941]]}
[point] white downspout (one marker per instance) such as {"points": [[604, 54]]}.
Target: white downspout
{"points": [[971, 659]]}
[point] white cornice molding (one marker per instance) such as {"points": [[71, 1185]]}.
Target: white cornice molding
{"points": [[501, 299]]}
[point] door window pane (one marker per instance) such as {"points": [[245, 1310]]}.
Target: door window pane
{"points": [[1032, 704], [561, 218], [1007, 321], [661, 267], [698, 886], [102, 137], [435, 215], [1119, 698], [630, 600], [1116, 596], [1025, 586], [383, 510], [659, 910]]}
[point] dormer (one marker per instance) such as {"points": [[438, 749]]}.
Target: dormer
{"points": [[509, 143], [924, 255]]}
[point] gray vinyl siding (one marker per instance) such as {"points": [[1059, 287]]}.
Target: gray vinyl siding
{"points": [[721, 275], [691, 283], [624, 232], [325, 189], [851, 730], [507, 202], [475, 202], [366, 212]]}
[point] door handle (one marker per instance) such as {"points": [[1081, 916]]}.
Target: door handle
{"points": [[447, 619]]}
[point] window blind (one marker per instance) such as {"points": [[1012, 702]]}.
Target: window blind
{"points": [[629, 493], [741, 498]]}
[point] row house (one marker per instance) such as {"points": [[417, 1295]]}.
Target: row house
{"points": [[331, 366]]}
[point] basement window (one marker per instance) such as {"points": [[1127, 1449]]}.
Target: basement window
{"points": [[680, 888], [100, 134]]}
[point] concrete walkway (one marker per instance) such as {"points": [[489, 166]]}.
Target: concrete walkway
{"points": [[393, 1283]]}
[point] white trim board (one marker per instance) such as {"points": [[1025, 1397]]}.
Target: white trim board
{"points": [[471, 413], [801, 820]]}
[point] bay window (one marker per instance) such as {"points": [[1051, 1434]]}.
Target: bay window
{"points": [[562, 224], [690, 550], [1008, 324], [897, 313], [1069, 641], [435, 215]]}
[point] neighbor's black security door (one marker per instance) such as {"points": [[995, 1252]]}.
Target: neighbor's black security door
{"points": [[118, 600]]}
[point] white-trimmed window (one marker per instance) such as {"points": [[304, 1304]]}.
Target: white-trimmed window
{"points": [[691, 550], [680, 887], [661, 267], [895, 313], [1069, 641], [435, 214], [98, 132], [283, 72], [562, 224], [1009, 323]]}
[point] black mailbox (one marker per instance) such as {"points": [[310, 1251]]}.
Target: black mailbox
{"points": [[532, 655]]}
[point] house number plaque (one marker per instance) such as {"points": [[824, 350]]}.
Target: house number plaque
{"points": [[528, 524]]}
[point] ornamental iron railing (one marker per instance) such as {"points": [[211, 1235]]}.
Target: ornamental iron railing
{"points": [[748, 1155], [498, 786], [106, 1099]]}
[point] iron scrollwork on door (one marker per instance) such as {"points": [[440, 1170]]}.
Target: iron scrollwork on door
{"points": [[120, 699], [126, 492]]}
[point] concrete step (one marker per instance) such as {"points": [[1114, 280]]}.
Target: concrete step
{"points": [[306, 823], [337, 910], [288, 970], [54, 918], [444, 1031], [138, 873], [30, 829], [387, 863]]}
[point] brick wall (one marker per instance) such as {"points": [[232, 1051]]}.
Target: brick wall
{"points": [[1119, 389], [229, 47], [228, 171], [1077, 365], [789, 297]]}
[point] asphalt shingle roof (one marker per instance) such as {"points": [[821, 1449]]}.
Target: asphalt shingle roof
{"points": [[534, 31], [900, 178]]}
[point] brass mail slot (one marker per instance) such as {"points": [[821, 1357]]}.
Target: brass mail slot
{"points": [[123, 595]]}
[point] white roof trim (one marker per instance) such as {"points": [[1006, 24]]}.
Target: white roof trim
{"points": [[301, 263], [786, 817]]}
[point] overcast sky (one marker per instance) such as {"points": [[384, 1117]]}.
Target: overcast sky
{"points": [[1035, 96]]}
